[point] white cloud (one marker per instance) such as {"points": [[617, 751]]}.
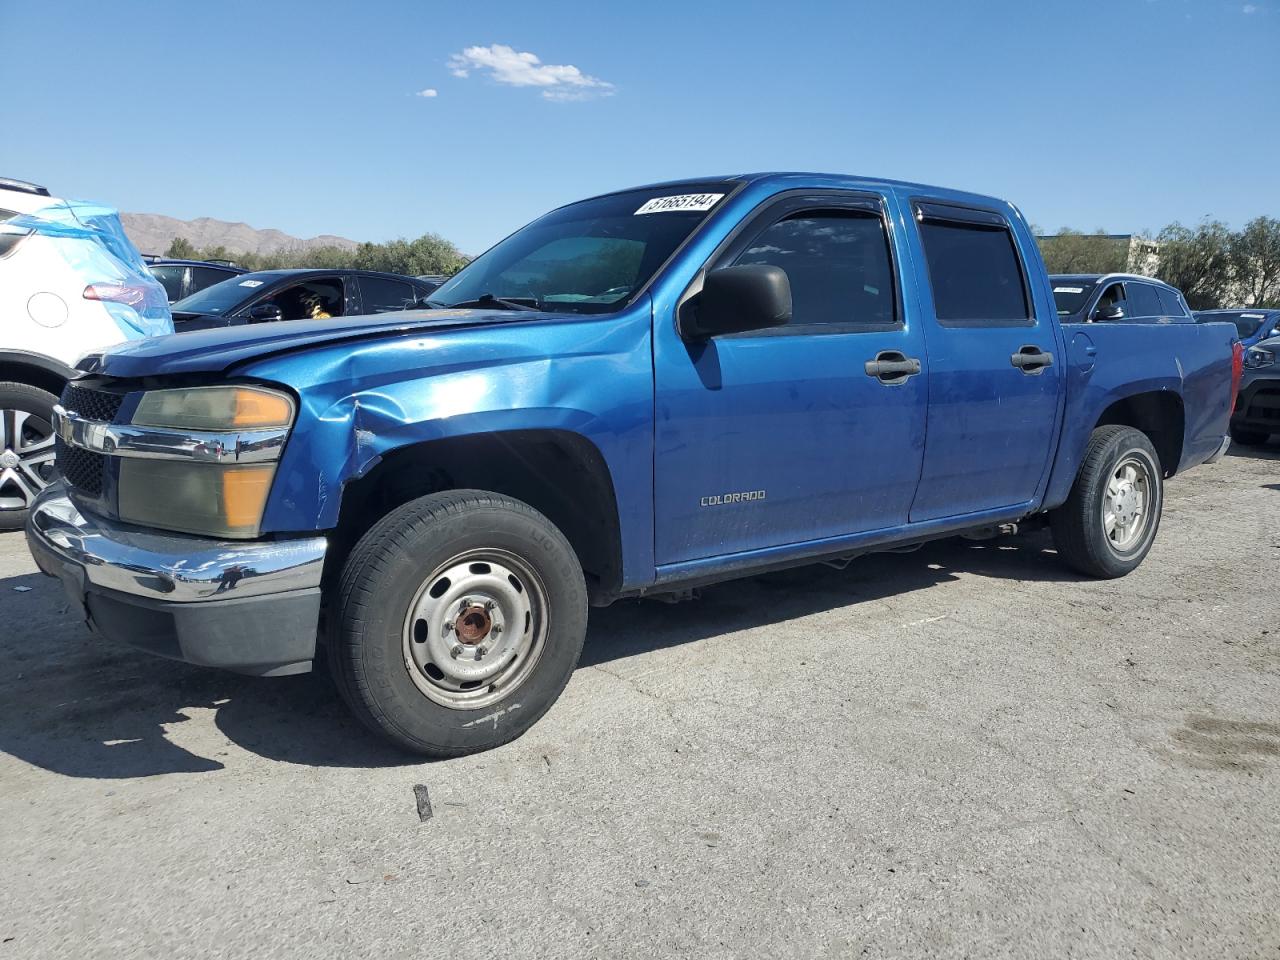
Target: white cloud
{"points": [[1249, 8], [514, 68], [429, 92]]}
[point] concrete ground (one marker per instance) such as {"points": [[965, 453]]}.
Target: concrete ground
{"points": [[965, 751]]}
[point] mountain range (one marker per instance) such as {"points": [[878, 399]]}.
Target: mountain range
{"points": [[153, 232]]}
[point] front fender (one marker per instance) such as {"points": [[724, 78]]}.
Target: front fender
{"points": [[360, 401]]}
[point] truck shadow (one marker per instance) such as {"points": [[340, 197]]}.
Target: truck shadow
{"points": [[81, 707]]}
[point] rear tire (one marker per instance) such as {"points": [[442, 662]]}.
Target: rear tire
{"points": [[1248, 438], [1109, 521], [26, 449], [460, 618]]}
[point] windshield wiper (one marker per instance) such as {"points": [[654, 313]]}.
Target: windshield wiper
{"points": [[484, 300]]}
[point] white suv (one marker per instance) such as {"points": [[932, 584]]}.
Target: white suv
{"points": [[70, 283]]}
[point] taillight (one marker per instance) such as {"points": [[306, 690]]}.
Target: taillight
{"points": [[132, 294], [1237, 371]]}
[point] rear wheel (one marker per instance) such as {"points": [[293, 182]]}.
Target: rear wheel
{"points": [[1109, 521], [1248, 438], [461, 616], [26, 449]]}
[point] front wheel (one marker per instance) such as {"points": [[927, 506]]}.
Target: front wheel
{"points": [[460, 618], [1109, 521]]}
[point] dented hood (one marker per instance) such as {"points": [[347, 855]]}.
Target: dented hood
{"points": [[217, 350]]}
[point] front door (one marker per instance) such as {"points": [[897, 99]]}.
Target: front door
{"points": [[995, 366], [783, 436]]}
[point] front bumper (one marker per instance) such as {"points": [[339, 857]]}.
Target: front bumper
{"points": [[248, 606]]}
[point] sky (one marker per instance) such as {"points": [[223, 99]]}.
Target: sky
{"points": [[380, 119]]}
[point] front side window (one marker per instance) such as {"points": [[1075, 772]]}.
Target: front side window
{"points": [[313, 300], [588, 257], [975, 273], [837, 263]]}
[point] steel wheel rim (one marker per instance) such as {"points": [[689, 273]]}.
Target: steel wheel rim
{"points": [[26, 457], [475, 629], [1127, 503]]}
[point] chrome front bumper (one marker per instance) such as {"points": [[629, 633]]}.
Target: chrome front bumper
{"points": [[250, 606]]}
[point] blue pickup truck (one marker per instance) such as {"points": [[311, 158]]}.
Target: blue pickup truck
{"points": [[633, 395]]}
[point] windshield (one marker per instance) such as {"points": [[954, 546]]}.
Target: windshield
{"points": [[222, 297], [1247, 324], [589, 257], [1071, 295]]}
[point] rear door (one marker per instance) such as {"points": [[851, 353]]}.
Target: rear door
{"points": [[995, 369], [782, 436]]}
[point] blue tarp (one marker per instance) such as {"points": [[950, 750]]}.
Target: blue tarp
{"points": [[92, 240]]}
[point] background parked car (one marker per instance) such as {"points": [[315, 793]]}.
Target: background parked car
{"points": [[1096, 298], [70, 283], [182, 278], [1257, 412], [432, 280], [1253, 325], [268, 295]]}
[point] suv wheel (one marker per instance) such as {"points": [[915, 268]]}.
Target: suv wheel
{"points": [[1109, 521], [26, 449], [460, 618]]}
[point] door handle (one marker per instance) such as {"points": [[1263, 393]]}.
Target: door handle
{"points": [[1031, 359], [892, 367]]}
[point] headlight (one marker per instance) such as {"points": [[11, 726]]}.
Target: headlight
{"points": [[210, 458], [1257, 357], [215, 408]]}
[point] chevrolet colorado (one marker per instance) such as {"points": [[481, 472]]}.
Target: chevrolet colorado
{"points": [[634, 394]]}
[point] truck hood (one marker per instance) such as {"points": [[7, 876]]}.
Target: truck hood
{"points": [[220, 349]]}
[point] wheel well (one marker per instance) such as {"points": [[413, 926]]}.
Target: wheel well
{"points": [[560, 474], [1160, 416], [13, 371]]}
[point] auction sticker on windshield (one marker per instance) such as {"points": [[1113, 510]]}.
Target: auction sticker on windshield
{"points": [[686, 201], [1068, 289]]}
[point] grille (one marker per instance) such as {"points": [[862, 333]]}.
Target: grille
{"points": [[80, 468], [91, 404]]}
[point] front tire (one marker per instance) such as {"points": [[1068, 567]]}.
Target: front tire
{"points": [[26, 449], [1109, 521], [460, 618]]}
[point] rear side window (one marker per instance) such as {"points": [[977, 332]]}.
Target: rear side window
{"points": [[1170, 305], [1142, 301], [202, 277], [975, 273], [171, 278], [837, 263], [383, 296]]}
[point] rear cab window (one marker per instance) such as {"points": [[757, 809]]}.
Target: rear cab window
{"points": [[975, 272]]}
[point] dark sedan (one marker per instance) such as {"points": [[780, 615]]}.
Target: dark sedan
{"points": [[269, 295]]}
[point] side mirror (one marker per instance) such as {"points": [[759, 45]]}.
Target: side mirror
{"points": [[265, 313], [752, 296], [1111, 311]]}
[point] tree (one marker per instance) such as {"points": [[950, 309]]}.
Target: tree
{"points": [[1071, 251], [181, 249], [1254, 254], [1197, 261]]}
